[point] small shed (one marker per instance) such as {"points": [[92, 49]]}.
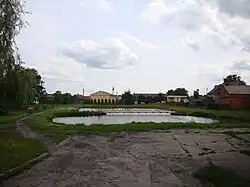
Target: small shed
{"points": [[201, 101]]}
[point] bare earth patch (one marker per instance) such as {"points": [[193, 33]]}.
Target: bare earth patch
{"points": [[145, 159]]}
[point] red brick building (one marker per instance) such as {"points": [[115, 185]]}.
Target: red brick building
{"points": [[236, 97]]}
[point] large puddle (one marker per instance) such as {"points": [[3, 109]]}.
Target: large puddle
{"points": [[123, 116]]}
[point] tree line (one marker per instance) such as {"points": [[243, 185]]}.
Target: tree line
{"points": [[128, 98], [62, 98], [20, 86]]}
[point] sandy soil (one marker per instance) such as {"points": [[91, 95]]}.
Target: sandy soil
{"points": [[148, 159]]}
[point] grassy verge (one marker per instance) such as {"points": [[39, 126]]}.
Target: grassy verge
{"points": [[43, 125], [15, 150], [221, 177], [12, 117]]}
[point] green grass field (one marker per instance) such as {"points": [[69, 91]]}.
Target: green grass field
{"points": [[15, 150]]}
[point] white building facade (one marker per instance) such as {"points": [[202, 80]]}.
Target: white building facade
{"points": [[177, 99]]}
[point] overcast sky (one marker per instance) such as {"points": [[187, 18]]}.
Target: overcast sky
{"points": [[141, 45]]}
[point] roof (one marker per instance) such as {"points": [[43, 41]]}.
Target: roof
{"points": [[238, 90], [215, 90], [147, 94], [101, 93], [197, 99], [177, 96], [82, 97], [79, 96]]}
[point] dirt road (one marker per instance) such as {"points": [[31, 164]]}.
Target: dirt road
{"points": [[149, 159]]}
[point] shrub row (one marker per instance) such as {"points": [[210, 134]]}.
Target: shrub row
{"points": [[78, 113]]}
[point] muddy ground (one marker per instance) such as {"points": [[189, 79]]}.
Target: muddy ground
{"points": [[145, 159]]}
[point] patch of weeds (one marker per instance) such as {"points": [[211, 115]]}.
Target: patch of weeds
{"points": [[221, 177], [114, 136]]}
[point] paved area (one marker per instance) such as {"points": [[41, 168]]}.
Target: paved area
{"points": [[146, 159]]}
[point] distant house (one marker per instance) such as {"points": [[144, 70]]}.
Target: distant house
{"points": [[236, 97], [149, 98], [177, 99]]}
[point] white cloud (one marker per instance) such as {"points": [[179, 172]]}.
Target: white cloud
{"points": [[210, 22], [112, 53]]}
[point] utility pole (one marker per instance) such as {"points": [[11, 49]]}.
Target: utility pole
{"points": [[83, 96]]}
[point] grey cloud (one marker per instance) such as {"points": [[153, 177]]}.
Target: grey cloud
{"points": [[192, 44], [210, 21], [246, 44], [235, 7], [112, 54], [241, 65]]}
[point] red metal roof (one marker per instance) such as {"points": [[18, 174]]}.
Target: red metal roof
{"points": [[238, 90]]}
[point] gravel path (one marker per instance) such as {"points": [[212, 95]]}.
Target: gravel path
{"points": [[146, 159]]}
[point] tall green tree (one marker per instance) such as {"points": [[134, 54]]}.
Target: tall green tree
{"points": [[233, 80], [178, 91], [161, 97], [181, 91], [19, 86], [11, 22], [127, 98], [170, 92]]}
